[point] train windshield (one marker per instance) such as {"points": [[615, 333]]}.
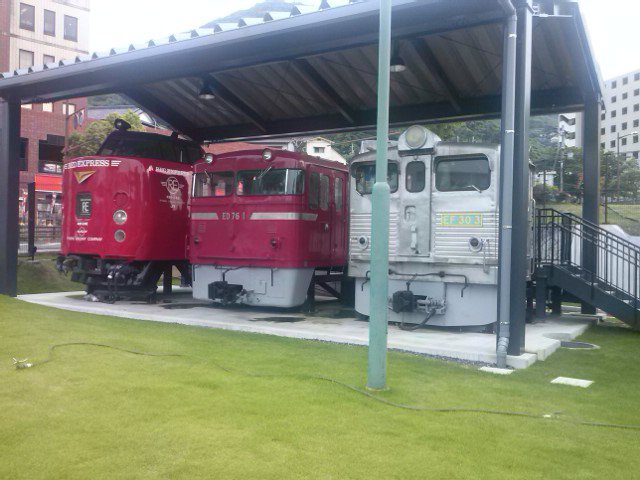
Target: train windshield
{"points": [[365, 175], [459, 174], [270, 181], [213, 184], [158, 147]]}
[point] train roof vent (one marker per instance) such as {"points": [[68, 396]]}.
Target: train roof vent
{"points": [[417, 139]]}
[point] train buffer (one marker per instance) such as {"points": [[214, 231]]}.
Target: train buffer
{"points": [[581, 261]]}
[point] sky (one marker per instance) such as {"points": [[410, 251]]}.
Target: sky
{"points": [[612, 25]]}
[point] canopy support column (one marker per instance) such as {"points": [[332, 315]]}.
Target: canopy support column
{"points": [[591, 180], [520, 199], [379, 290], [9, 188]]}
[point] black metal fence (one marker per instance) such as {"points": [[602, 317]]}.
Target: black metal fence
{"points": [[560, 238], [45, 239]]}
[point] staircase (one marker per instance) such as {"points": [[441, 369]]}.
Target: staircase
{"points": [[579, 260]]}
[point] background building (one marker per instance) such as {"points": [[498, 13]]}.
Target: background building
{"points": [[621, 119], [37, 32]]}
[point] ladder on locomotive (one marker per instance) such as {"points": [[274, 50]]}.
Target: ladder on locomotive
{"points": [[560, 241]]}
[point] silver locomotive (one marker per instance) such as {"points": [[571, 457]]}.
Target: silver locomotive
{"points": [[443, 231]]}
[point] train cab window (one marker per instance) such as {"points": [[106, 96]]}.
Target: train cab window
{"points": [[324, 192], [415, 177], [337, 193], [270, 181], [365, 175], [213, 184], [314, 190], [459, 174]]}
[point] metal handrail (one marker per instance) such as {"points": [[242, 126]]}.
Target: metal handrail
{"points": [[561, 238]]}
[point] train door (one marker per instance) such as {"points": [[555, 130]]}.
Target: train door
{"points": [[318, 203], [415, 209], [339, 224]]}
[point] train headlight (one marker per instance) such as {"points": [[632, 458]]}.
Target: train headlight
{"points": [[363, 242], [267, 155], [416, 136], [119, 235], [475, 244], [119, 216], [208, 157]]}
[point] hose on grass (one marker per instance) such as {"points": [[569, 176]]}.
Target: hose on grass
{"points": [[23, 364]]}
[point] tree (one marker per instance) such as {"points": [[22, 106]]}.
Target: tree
{"points": [[88, 142]]}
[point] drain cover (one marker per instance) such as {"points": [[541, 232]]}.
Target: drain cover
{"points": [[279, 319], [579, 345]]}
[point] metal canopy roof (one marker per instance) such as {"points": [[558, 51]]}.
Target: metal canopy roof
{"points": [[316, 72]]}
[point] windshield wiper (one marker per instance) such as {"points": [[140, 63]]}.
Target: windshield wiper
{"points": [[263, 173], [474, 187]]}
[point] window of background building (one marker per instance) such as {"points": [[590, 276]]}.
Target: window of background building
{"points": [[68, 108], [613, 114], [602, 116], [613, 129], [602, 145], [47, 107], [24, 154], [26, 106], [49, 23], [636, 77], [602, 131], [25, 59], [613, 99], [70, 28], [613, 144], [636, 92], [624, 111], [625, 80], [624, 125], [48, 59], [624, 141], [614, 84], [27, 16], [318, 149], [635, 139], [636, 123], [624, 96], [636, 107]]}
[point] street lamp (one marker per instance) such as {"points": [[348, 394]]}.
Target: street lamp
{"points": [[618, 157]]}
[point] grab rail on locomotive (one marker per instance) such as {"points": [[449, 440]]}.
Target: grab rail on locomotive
{"points": [[443, 231], [125, 213], [265, 225]]}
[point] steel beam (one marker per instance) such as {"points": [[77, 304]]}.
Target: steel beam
{"points": [[379, 262], [321, 86], [236, 103], [520, 199], [9, 187], [435, 69], [591, 176]]}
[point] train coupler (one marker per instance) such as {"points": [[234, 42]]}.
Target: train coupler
{"points": [[405, 301], [225, 292]]}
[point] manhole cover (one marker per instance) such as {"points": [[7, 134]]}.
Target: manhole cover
{"points": [[579, 345], [279, 319]]}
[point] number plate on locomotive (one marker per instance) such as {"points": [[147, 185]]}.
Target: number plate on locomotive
{"points": [[462, 219]]}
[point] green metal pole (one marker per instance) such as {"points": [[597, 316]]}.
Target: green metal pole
{"points": [[379, 289]]}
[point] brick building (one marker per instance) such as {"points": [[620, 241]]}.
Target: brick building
{"points": [[41, 32]]}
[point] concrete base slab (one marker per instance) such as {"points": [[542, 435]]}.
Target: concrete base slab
{"points": [[497, 371], [572, 382], [454, 344]]}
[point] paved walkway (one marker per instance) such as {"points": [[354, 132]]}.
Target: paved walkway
{"points": [[542, 339]]}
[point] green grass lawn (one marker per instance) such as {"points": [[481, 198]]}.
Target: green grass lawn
{"points": [[626, 216], [41, 276], [98, 413]]}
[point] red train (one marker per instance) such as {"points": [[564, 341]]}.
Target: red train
{"points": [[125, 218], [265, 224]]}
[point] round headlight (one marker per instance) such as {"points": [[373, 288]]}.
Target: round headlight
{"points": [[416, 136], [208, 157], [267, 155], [119, 216], [119, 235]]}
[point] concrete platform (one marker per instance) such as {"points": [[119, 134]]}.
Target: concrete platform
{"points": [[542, 339]]}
